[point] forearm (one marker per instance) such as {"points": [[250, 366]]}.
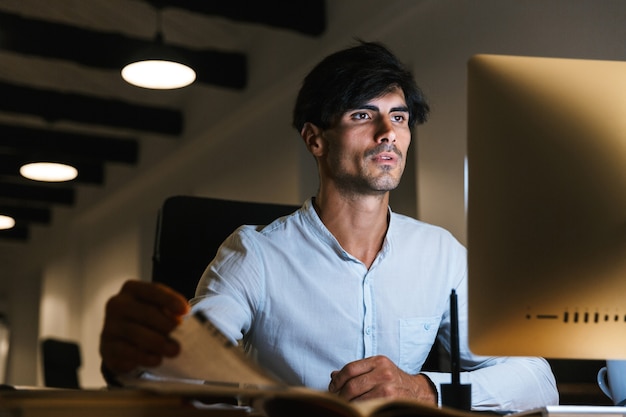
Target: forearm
{"points": [[428, 392]]}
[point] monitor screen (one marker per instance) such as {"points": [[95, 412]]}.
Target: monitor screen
{"points": [[547, 207]]}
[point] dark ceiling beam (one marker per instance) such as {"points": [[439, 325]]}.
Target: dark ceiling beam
{"points": [[31, 202], [19, 232], [50, 193], [54, 106], [307, 17], [40, 143], [111, 51], [25, 214]]}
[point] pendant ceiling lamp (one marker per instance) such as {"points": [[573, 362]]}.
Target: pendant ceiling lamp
{"points": [[6, 222], [48, 171], [158, 67]]}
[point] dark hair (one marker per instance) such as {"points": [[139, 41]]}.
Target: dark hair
{"points": [[349, 78]]}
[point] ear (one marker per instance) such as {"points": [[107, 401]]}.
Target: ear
{"points": [[313, 139]]}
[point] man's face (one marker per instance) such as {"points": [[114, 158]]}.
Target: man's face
{"points": [[366, 147]]}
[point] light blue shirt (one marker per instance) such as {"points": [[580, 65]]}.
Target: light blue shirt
{"points": [[305, 307]]}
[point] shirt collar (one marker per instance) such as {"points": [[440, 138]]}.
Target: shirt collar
{"points": [[312, 218]]}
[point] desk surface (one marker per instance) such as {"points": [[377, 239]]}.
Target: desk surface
{"points": [[45, 402], [107, 403], [582, 393]]}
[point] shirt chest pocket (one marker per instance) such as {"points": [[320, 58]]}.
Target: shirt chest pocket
{"points": [[417, 335]]}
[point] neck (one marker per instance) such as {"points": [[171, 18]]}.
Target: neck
{"points": [[358, 223]]}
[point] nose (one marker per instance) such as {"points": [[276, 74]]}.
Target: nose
{"points": [[385, 131]]}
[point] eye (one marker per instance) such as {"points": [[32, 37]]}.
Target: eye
{"points": [[400, 118], [360, 116]]}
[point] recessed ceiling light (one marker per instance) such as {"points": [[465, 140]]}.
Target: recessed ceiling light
{"points": [[6, 222], [158, 74], [48, 171]]}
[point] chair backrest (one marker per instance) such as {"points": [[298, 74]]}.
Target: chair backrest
{"points": [[191, 229], [61, 360]]}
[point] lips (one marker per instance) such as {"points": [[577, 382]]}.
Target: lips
{"points": [[384, 154], [385, 157]]}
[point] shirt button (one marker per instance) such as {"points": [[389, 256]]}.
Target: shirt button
{"points": [[368, 331], [427, 326]]}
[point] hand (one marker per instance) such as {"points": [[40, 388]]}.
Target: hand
{"points": [[137, 323], [376, 377]]}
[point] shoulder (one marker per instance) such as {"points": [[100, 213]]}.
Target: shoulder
{"points": [[417, 239], [279, 228], [402, 225]]}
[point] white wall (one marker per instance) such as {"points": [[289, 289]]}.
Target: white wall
{"points": [[250, 152], [453, 31]]}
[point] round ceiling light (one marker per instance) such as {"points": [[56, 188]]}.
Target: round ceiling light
{"points": [[158, 74], [48, 171], [6, 222]]}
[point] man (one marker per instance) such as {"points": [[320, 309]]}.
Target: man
{"points": [[343, 294]]}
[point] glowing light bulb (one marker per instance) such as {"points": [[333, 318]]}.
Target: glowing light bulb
{"points": [[48, 171], [157, 74]]}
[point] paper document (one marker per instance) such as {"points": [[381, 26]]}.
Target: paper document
{"points": [[208, 357]]}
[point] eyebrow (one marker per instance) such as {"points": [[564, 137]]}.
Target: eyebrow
{"points": [[404, 109]]}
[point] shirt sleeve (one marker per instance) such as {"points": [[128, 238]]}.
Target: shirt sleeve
{"points": [[506, 383], [230, 290]]}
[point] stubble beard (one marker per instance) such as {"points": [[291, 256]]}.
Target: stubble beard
{"points": [[364, 182]]}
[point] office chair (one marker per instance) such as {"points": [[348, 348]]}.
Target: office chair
{"points": [[191, 229], [61, 360]]}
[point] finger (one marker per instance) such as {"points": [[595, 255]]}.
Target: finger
{"points": [[349, 371], [372, 377], [125, 345], [121, 357], [121, 310], [137, 324], [143, 337], [157, 294], [357, 387], [148, 304]]}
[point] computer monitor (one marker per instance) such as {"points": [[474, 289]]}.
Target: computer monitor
{"points": [[547, 207]]}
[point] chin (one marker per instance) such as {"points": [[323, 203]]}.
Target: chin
{"points": [[387, 185]]}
